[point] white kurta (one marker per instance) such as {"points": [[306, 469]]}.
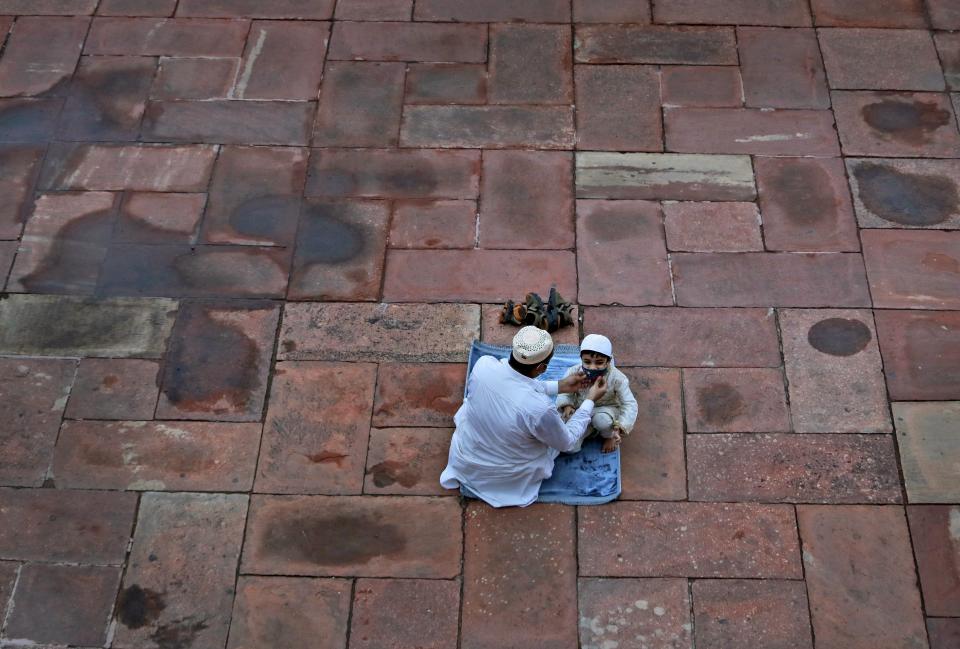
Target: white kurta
{"points": [[508, 434]]}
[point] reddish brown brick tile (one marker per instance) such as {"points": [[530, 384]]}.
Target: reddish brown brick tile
{"points": [[157, 456], [702, 86], [944, 14], [850, 56], [374, 10], [919, 350], [48, 7], [428, 333], [421, 42], [493, 332], [395, 614], [218, 361], [425, 394], [266, 73], [622, 257], [863, 13], [913, 269], [793, 468], [785, 13], [107, 99], [62, 604], [29, 121], [295, 9], [520, 575], [446, 83], [364, 536], [612, 610], [944, 632], [735, 400], [6, 22], [160, 218], [164, 594], [860, 576], [928, 446], [40, 55], [166, 37], [611, 11], [782, 68], [19, 166], [449, 275], [655, 44], [536, 11], [229, 122], [360, 104], [712, 227], [495, 127], [202, 78], [114, 389], [407, 461], [434, 224], [530, 64], [618, 108], [689, 540], [934, 533], [8, 250], [137, 7], [391, 173], [740, 130], [901, 124], [834, 372], [948, 46], [748, 613]]}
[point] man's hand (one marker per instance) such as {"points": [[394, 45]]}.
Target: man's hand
{"points": [[573, 383], [598, 389], [566, 412]]}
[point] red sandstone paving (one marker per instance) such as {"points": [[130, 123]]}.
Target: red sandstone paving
{"points": [[782, 68], [495, 127], [863, 13], [655, 44], [944, 632], [29, 121], [396, 41], [926, 436], [360, 105], [944, 14], [948, 46], [197, 78], [913, 269], [443, 83], [266, 72], [405, 461], [747, 613], [712, 227], [40, 55], [19, 166], [284, 123], [148, 217], [8, 250], [299, 9], [401, 613], [433, 224], [646, 610], [611, 11], [374, 10], [418, 394], [905, 193], [107, 99], [618, 108], [787, 13], [919, 350], [166, 37], [735, 400], [530, 64], [136, 7], [48, 7], [701, 86], [497, 333], [114, 389], [536, 11], [937, 549], [743, 130], [849, 56], [8, 578], [860, 576]]}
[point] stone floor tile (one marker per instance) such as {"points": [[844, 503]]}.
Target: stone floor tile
{"points": [[418, 394], [860, 577], [905, 124], [674, 337], [446, 83], [48, 325], [179, 584], [928, 442], [520, 578], [806, 205], [701, 86], [401, 613], [834, 371], [919, 350], [793, 468], [8, 250], [652, 457], [494, 127], [948, 46], [526, 200], [108, 96], [913, 269], [90, 527], [421, 333], [340, 250], [944, 632], [618, 108], [290, 612], [655, 44], [63, 604], [48, 7], [33, 393], [148, 217], [374, 10], [448, 275], [166, 37], [107, 388], [782, 68], [936, 547], [729, 540], [157, 456], [397, 41], [735, 400], [863, 13], [360, 104], [497, 333], [266, 73], [747, 613], [322, 449], [161, 8], [611, 11], [407, 461], [622, 256], [533, 11], [218, 361], [910, 58], [530, 64], [19, 166], [393, 173], [943, 14], [40, 55], [196, 78], [785, 13], [9, 571], [255, 196], [29, 121], [293, 9], [434, 224], [712, 227], [285, 123], [652, 612], [755, 131], [668, 176], [363, 536], [901, 193], [769, 279]]}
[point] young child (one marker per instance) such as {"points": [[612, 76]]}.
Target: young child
{"points": [[616, 412]]}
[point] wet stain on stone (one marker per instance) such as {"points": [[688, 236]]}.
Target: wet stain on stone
{"points": [[719, 403], [326, 237], [839, 336], [803, 193], [177, 635], [390, 182], [28, 120], [336, 540], [288, 346], [941, 263], [269, 217], [74, 257], [910, 122], [390, 472], [109, 381], [138, 607], [906, 198], [326, 457], [107, 104]]}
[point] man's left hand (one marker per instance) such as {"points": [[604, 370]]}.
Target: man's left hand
{"points": [[573, 383]]}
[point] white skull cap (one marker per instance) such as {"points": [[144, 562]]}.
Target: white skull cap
{"points": [[597, 343], [532, 345]]}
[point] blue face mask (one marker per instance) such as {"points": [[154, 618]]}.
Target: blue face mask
{"points": [[593, 375]]}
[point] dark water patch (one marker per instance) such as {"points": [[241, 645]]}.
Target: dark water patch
{"points": [[803, 193], [906, 198], [327, 237], [138, 607], [334, 540], [719, 403], [911, 122], [106, 100], [390, 472], [271, 217], [839, 336], [28, 120]]}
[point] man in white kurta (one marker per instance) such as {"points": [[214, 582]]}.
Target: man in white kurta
{"points": [[508, 430]]}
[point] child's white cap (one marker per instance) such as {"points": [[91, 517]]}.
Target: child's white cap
{"points": [[597, 343], [532, 345]]}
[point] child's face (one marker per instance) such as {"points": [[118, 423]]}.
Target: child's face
{"points": [[594, 364]]}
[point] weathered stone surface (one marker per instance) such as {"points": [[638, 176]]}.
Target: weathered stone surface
{"points": [[157, 456], [618, 108], [745, 130], [40, 55], [378, 332], [321, 449], [655, 44], [622, 257], [863, 13], [793, 468], [114, 389], [530, 64], [434, 224], [904, 124], [519, 578], [446, 83], [418, 394], [786, 13], [198, 78], [147, 217], [944, 14], [747, 613], [166, 37], [834, 372], [401, 613], [689, 539], [860, 577], [674, 337], [266, 73], [664, 176], [290, 612], [944, 632], [712, 227], [229, 122], [9, 571], [407, 461], [48, 7], [165, 595], [703, 86], [136, 7], [19, 166], [782, 68], [735, 400], [913, 269], [398, 41], [107, 98], [297, 9], [387, 536], [929, 443], [28, 121], [534, 11], [900, 193], [611, 11], [494, 127], [374, 10], [910, 58], [360, 104], [656, 610], [8, 250], [933, 529], [919, 350], [494, 332], [948, 46]]}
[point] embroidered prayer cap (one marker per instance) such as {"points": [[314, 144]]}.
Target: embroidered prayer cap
{"points": [[597, 343], [532, 345]]}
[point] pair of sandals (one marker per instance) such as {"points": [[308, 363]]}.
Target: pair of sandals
{"points": [[551, 315]]}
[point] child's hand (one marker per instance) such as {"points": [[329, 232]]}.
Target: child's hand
{"points": [[610, 444], [566, 412]]}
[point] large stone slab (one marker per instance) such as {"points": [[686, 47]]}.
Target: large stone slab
{"points": [[266, 73], [137, 7], [426, 223], [618, 108], [693, 226], [936, 545], [492, 127], [642, 609], [782, 68], [530, 64], [944, 631], [929, 441], [655, 44], [295, 9], [229, 122], [768, 614], [901, 193], [406, 461], [19, 166], [850, 56], [944, 14], [703, 86], [360, 104], [786, 13], [28, 121], [48, 7], [400, 613], [863, 13], [167, 37], [41, 55], [913, 269], [534, 11], [441, 83], [919, 350], [405, 41], [195, 78], [751, 130], [108, 96], [735, 400], [896, 124], [418, 394]]}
